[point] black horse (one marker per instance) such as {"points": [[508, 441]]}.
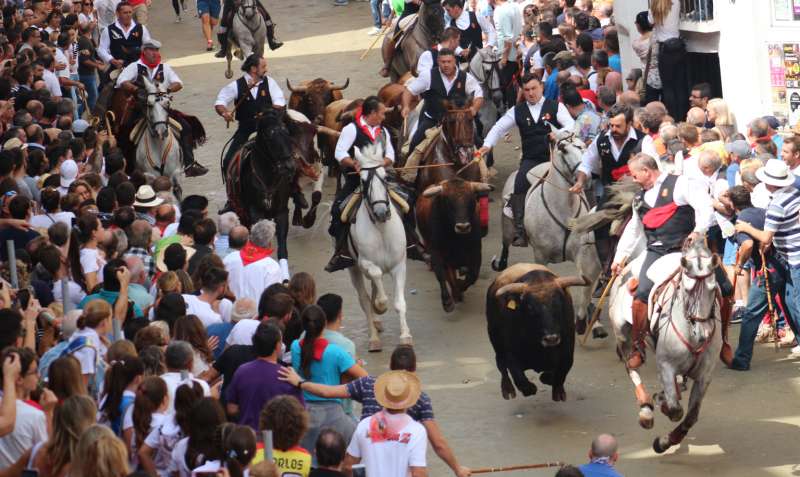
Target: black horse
{"points": [[260, 176]]}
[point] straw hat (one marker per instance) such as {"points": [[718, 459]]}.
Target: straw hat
{"points": [[397, 390]]}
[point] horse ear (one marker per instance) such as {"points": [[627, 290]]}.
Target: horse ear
{"points": [[684, 262]]}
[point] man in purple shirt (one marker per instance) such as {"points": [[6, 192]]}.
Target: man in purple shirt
{"points": [[256, 382]]}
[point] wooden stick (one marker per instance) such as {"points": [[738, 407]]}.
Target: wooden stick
{"points": [[374, 42], [599, 308], [408, 168], [487, 470], [772, 313]]}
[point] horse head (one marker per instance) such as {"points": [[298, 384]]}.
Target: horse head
{"points": [[274, 142], [698, 284], [373, 181], [458, 129], [248, 8], [157, 101], [485, 66], [432, 15], [567, 152]]}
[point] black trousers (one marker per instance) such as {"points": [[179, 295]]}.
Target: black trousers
{"points": [[239, 139], [521, 184], [350, 184], [672, 68]]}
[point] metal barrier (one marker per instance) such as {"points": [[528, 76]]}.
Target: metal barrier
{"points": [[697, 10]]}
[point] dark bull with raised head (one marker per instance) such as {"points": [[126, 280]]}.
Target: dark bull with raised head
{"points": [[532, 326], [311, 97]]}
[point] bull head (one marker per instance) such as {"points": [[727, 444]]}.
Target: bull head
{"points": [[298, 90], [339, 88]]}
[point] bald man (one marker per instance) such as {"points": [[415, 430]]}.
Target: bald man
{"points": [[696, 116], [614, 81], [602, 457]]}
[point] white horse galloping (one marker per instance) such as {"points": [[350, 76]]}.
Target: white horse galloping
{"points": [[248, 33], [378, 242], [158, 151]]}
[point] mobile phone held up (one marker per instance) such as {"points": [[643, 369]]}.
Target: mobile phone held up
{"points": [[359, 470]]}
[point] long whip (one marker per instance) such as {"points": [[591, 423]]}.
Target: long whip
{"points": [[487, 470]]}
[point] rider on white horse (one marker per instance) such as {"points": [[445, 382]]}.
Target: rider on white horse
{"points": [[228, 10], [533, 118], [150, 65], [666, 212]]}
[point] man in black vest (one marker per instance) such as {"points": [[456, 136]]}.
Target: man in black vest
{"points": [[450, 39], [150, 66], [228, 10], [443, 83], [534, 118], [606, 159], [666, 212], [249, 95], [467, 23], [121, 43]]}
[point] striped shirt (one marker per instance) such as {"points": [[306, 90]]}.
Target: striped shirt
{"points": [[782, 219]]}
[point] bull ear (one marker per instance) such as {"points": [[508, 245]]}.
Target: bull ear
{"points": [[566, 282], [432, 191]]}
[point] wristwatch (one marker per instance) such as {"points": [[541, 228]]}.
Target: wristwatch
{"points": [[300, 384]]}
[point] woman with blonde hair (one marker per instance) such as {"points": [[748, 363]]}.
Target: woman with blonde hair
{"points": [[665, 18], [719, 114], [70, 420], [100, 454]]}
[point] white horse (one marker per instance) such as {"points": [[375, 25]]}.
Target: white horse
{"points": [[485, 67], [686, 329], [248, 33], [158, 151], [378, 242]]}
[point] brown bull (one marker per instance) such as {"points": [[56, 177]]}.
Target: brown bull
{"points": [[338, 114], [391, 95], [312, 97]]}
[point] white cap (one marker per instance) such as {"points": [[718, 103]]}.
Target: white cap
{"points": [[68, 172]]}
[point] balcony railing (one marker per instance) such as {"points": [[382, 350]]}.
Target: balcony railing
{"points": [[697, 10]]}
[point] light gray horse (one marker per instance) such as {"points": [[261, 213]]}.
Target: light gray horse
{"points": [[685, 323], [248, 33], [158, 151], [549, 206], [485, 67]]}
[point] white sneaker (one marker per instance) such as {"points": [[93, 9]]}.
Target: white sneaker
{"points": [[795, 350], [374, 31], [178, 19]]}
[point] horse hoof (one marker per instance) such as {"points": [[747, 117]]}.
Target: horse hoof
{"points": [[646, 417], [498, 265], [408, 341], [449, 306], [657, 446], [229, 74], [375, 346], [580, 326], [310, 218], [599, 333], [380, 308]]}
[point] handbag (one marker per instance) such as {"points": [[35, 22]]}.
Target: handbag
{"points": [[642, 87]]}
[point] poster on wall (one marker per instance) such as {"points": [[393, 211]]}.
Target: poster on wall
{"points": [[780, 103], [796, 10], [791, 63], [782, 10], [777, 72], [794, 105]]}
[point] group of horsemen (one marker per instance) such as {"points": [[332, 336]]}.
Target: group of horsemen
{"points": [[666, 213]]}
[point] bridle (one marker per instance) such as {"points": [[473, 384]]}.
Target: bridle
{"points": [[488, 74], [246, 11], [366, 187], [151, 130], [568, 174], [455, 117]]}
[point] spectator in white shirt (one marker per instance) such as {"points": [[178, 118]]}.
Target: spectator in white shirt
{"points": [[258, 269], [209, 306], [179, 359]]}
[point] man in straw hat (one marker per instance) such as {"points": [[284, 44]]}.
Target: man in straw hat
{"points": [[781, 230], [390, 443]]}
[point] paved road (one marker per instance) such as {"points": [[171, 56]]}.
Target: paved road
{"points": [[749, 421]]}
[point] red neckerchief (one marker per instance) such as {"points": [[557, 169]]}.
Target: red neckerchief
{"points": [[366, 128], [252, 253], [319, 347], [151, 65]]}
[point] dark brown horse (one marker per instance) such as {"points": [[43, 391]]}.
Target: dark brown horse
{"points": [[260, 177], [424, 34], [447, 209]]}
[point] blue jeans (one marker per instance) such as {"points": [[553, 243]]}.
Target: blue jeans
{"points": [[792, 299], [90, 81], [756, 307], [379, 11]]}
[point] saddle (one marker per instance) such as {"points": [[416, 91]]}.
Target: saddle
{"points": [[353, 202], [432, 137], [406, 25], [141, 125]]}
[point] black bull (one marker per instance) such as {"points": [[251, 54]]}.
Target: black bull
{"points": [[531, 325]]}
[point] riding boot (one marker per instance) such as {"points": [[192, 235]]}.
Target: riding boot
{"points": [[341, 256], [726, 353], [388, 55], [518, 211], [223, 45], [414, 248], [638, 334], [273, 43], [191, 168]]}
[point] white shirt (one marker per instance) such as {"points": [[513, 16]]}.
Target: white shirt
{"points": [[51, 81], [92, 262], [348, 137], [164, 439], [508, 24], [30, 428], [74, 291], [44, 221], [234, 267], [391, 458], [227, 95], [649, 147], [92, 353], [242, 332], [591, 163], [508, 121], [104, 49], [670, 28], [257, 276], [173, 380], [62, 57], [685, 193], [131, 72], [425, 61], [204, 311], [177, 464], [422, 83]]}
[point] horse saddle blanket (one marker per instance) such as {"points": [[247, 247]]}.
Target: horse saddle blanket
{"points": [[354, 201], [141, 126], [406, 27], [413, 160]]}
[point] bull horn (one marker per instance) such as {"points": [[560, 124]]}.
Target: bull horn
{"points": [[432, 191], [389, 110], [566, 282], [328, 131], [510, 288], [482, 187], [339, 88], [295, 90]]}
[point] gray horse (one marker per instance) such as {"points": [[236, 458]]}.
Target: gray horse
{"points": [[686, 328], [485, 67], [248, 33], [158, 151], [549, 207]]}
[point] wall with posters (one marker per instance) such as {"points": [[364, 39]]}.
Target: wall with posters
{"points": [[758, 42]]}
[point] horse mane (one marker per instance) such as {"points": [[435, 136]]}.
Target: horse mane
{"points": [[432, 15]]}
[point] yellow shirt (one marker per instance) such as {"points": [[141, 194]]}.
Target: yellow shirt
{"points": [[295, 462]]}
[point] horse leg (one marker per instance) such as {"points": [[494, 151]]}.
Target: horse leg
{"points": [[508, 232], [670, 405], [375, 274], [357, 277], [399, 277], [316, 198], [643, 399], [699, 388], [589, 267], [229, 58], [282, 231]]}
